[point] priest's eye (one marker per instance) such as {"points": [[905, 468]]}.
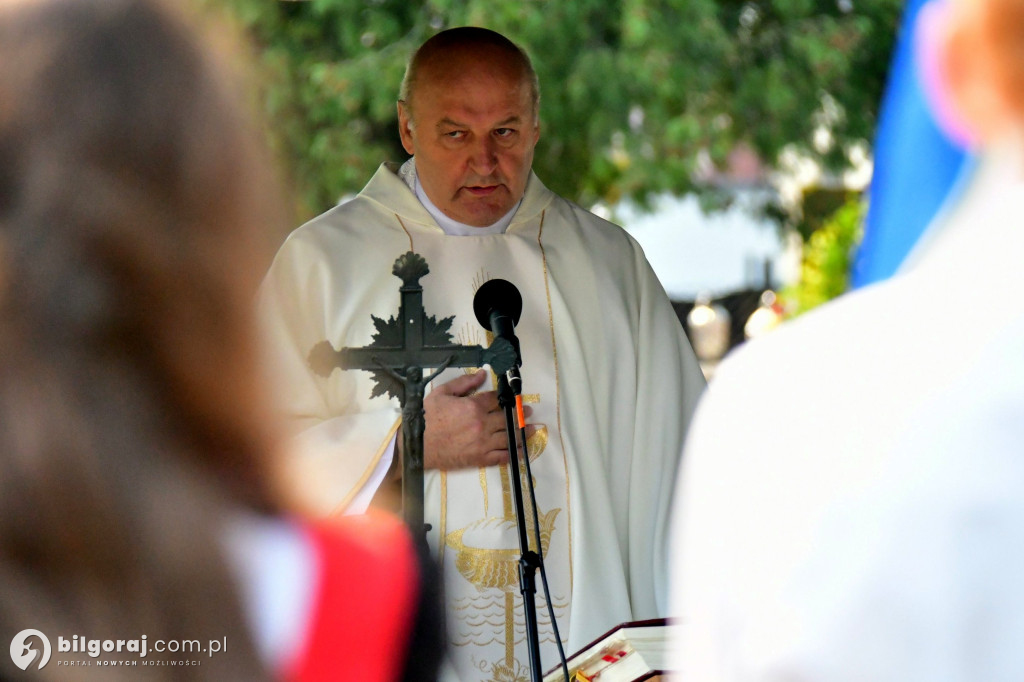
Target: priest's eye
{"points": [[455, 135], [505, 132]]}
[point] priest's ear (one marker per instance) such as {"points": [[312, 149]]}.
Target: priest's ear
{"points": [[405, 127]]}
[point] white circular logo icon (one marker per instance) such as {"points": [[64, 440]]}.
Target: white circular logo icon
{"points": [[22, 652]]}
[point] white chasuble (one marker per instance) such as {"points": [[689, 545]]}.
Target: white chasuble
{"points": [[606, 370]]}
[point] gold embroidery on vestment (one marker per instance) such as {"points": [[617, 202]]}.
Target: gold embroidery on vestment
{"points": [[489, 611], [407, 233], [558, 390]]}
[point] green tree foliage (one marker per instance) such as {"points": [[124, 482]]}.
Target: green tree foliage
{"points": [[828, 257], [635, 93]]}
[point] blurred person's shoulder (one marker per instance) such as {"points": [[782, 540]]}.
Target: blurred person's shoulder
{"points": [[822, 396], [367, 595], [379, 536], [849, 340]]}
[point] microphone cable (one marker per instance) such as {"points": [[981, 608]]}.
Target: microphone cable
{"points": [[536, 533]]}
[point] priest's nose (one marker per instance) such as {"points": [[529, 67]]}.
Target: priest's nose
{"points": [[483, 157]]}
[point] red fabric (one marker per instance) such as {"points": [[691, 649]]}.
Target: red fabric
{"points": [[367, 593]]}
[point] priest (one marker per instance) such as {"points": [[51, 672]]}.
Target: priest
{"points": [[608, 376]]}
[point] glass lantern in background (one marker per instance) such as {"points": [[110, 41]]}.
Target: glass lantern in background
{"points": [[765, 318], [709, 325]]}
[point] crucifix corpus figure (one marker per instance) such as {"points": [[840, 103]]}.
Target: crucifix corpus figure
{"points": [[401, 348]]}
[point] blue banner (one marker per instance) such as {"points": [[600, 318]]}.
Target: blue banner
{"points": [[915, 165]]}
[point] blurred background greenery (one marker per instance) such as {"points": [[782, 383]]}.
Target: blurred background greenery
{"points": [[827, 259]]}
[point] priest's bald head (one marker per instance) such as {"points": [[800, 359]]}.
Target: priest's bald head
{"points": [[468, 112]]}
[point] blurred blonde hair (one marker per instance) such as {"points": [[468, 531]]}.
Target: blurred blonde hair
{"points": [[135, 208]]}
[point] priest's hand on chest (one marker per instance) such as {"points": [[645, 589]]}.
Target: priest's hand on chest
{"points": [[464, 429]]}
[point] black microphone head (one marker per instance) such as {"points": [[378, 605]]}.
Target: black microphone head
{"points": [[497, 295]]}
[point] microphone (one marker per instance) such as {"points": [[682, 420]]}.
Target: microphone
{"points": [[497, 306]]}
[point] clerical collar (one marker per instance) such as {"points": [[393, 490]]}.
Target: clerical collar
{"points": [[451, 227]]}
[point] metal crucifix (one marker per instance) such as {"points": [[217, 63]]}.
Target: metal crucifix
{"points": [[402, 347]]}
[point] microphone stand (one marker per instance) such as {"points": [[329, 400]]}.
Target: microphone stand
{"points": [[529, 560]]}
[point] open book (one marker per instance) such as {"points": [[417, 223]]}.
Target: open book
{"points": [[629, 652]]}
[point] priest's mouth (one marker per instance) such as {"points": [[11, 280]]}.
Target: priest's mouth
{"points": [[482, 191]]}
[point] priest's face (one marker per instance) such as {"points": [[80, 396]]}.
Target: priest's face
{"points": [[472, 127]]}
